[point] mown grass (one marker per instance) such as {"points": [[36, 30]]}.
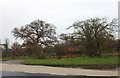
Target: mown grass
{"points": [[6, 59], [74, 61]]}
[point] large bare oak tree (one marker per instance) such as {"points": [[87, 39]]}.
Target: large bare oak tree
{"points": [[92, 33], [37, 33]]}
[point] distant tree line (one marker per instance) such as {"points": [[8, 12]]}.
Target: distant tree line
{"points": [[91, 37]]}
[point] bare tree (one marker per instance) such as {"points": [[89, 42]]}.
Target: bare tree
{"points": [[16, 49], [6, 45], [37, 33], [92, 33]]}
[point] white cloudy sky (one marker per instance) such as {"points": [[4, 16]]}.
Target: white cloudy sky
{"points": [[61, 13]]}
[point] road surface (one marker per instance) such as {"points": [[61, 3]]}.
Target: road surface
{"points": [[6, 74], [13, 69]]}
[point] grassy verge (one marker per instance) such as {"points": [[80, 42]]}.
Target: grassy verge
{"points": [[94, 62], [72, 61], [6, 59]]}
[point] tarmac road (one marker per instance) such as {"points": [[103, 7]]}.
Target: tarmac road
{"points": [[18, 74], [6, 74], [12, 62]]}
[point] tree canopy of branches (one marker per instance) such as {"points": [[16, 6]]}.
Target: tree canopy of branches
{"points": [[16, 49], [37, 33], [65, 37], [92, 33]]}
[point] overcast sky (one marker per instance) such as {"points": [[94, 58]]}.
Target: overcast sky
{"points": [[61, 13]]}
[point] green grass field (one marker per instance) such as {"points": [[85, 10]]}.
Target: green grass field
{"points": [[6, 59], [74, 61]]}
